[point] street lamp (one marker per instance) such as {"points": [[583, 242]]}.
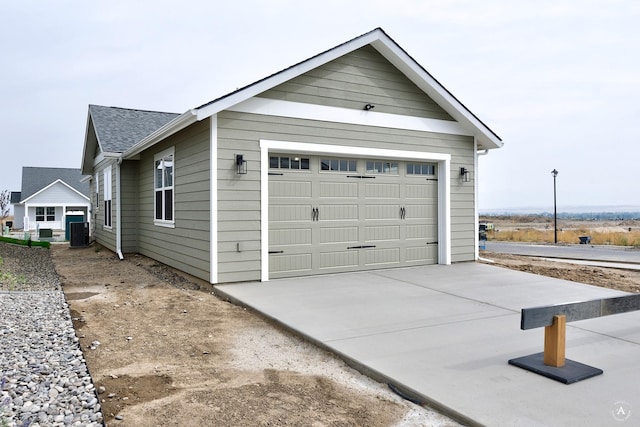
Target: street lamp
{"points": [[555, 212]]}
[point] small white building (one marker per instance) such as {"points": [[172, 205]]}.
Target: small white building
{"points": [[48, 197]]}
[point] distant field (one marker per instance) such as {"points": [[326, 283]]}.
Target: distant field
{"points": [[538, 229]]}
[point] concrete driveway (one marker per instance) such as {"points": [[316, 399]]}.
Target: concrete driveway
{"points": [[446, 333]]}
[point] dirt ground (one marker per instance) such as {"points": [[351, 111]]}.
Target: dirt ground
{"points": [[164, 351], [613, 278]]}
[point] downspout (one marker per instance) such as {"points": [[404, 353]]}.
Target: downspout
{"points": [[118, 210]]}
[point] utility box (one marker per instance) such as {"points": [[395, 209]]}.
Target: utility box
{"points": [[70, 218], [79, 234]]}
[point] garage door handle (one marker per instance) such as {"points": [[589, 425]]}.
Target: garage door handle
{"points": [[276, 252], [361, 247], [432, 243], [315, 214], [403, 212]]}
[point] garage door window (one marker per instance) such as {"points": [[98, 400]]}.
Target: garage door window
{"points": [[338, 165], [381, 166], [292, 163], [421, 169]]}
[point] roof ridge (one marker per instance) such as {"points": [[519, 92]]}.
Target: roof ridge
{"points": [[133, 109]]}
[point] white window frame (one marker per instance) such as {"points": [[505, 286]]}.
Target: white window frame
{"points": [[108, 207], [163, 188]]}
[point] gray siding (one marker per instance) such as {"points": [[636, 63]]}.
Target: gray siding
{"points": [[239, 195], [105, 236], [129, 199], [187, 245], [353, 80]]}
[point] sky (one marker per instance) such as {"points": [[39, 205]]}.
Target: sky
{"points": [[557, 80]]}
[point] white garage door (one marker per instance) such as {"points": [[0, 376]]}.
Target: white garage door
{"points": [[331, 214]]}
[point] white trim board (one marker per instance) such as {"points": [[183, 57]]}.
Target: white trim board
{"points": [[444, 186], [299, 110], [213, 180]]}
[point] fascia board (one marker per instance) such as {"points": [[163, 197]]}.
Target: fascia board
{"points": [[182, 121], [400, 59], [286, 75], [84, 167], [42, 190]]}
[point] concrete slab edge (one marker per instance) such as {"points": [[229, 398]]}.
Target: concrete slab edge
{"points": [[409, 393]]}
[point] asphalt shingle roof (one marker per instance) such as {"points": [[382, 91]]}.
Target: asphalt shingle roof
{"points": [[119, 129], [35, 179]]}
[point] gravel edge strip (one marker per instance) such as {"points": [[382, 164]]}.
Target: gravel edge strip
{"points": [[44, 378]]}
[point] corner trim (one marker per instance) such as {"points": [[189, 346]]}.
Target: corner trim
{"points": [[213, 190]]}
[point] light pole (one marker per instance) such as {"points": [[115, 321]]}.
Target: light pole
{"points": [[555, 212]]}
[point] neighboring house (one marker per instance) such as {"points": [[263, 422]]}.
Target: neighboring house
{"points": [[354, 159], [48, 196]]}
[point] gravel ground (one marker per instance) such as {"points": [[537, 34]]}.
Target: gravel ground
{"points": [[44, 380]]}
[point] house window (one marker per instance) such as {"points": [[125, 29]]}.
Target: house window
{"points": [[107, 196], [421, 169], [381, 166], [285, 162], [97, 203], [338, 165], [45, 214], [164, 170]]}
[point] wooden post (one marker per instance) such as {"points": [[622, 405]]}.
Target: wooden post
{"points": [[554, 342]]}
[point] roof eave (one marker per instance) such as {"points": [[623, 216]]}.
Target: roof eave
{"points": [[182, 121]]}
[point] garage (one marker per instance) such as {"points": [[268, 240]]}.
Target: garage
{"points": [[331, 213]]}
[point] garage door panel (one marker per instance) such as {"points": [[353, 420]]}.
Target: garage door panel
{"points": [[288, 213], [340, 259], [420, 254], [382, 233], [382, 190], [423, 212], [389, 212], [383, 256], [290, 189], [339, 234], [338, 189], [421, 191], [334, 212], [289, 236], [290, 263], [418, 232]]}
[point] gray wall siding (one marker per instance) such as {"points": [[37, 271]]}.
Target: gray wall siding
{"points": [[129, 211], [239, 195], [187, 245], [353, 80], [105, 236]]}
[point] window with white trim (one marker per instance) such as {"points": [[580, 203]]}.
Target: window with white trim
{"points": [[97, 203], [107, 196], [164, 170], [45, 214]]}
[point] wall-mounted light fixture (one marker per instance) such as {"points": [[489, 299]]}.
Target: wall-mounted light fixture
{"points": [[241, 165], [368, 107], [464, 175]]}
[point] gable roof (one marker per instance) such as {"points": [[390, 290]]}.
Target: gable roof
{"points": [[117, 129], [56, 182], [114, 130], [35, 179], [387, 47]]}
